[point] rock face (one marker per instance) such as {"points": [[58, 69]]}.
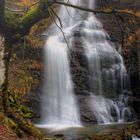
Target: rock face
{"points": [[79, 71], [87, 115]]}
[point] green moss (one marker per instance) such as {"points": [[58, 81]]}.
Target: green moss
{"points": [[19, 132], [20, 109], [9, 122], [29, 15], [14, 126], [12, 18], [34, 14]]}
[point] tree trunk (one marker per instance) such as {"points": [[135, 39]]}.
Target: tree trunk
{"points": [[2, 69], [6, 47], [6, 59]]}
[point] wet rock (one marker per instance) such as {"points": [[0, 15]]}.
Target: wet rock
{"points": [[59, 135], [85, 93], [87, 116], [79, 71]]}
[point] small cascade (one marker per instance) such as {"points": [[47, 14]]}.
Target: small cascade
{"points": [[107, 111], [107, 75]]}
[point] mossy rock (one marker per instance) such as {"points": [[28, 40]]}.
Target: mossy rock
{"points": [[10, 123]]}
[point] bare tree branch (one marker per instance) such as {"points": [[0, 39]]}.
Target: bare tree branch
{"points": [[102, 11], [60, 27], [32, 17], [57, 17]]}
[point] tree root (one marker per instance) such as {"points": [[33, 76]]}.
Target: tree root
{"points": [[25, 126]]}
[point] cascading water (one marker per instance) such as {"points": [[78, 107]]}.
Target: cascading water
{"points": [[106, 72], [59, 106], [107, 75]]}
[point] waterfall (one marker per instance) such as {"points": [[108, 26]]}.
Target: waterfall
{"points": [[59, 105], [106, 73], [107, 77]]}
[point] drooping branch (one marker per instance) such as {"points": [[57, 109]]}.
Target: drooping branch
{"points": [[102, 11], [22, 28], [33, 16], [30, 19]]}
